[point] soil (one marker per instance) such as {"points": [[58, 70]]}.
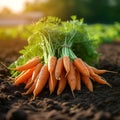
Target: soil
{"points": [[102, 104]]}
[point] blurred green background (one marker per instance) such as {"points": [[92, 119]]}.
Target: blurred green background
{"points": [[102, 17], [100, 11]]}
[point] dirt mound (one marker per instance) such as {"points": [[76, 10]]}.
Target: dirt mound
{"points": [[102, 104]]}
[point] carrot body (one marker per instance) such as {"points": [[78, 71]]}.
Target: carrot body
{"points": [[59, 68], [80, 65], [78, 78], [20, 74], [98, 79], [31, 63], [25, 76], [42, 80], [52, 83], [91, 72], [88, 83], [97, 71], [62, 83], [28, 84], [51, 64], [66, 63], [72, 78], [32, 87], [37, 70]]}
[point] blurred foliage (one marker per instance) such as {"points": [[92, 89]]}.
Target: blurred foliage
{"points": [[102, 11], [18, 32], [104, 33], [101, 33]]}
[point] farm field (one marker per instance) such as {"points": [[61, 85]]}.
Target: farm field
{"points": [[101, 104]]}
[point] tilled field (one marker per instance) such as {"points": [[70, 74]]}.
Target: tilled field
{"points": [[102, 104]]}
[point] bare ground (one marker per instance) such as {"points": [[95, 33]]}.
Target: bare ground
{"points": [[102, 104]]}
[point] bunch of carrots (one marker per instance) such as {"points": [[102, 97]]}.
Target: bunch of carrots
{"points": [[57, 73], [59, 64]]}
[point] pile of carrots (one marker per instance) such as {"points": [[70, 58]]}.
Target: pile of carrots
{"points": [[56, 74], [58, 54]]}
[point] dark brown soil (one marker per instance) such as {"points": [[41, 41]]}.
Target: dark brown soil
{"points": [[102, 104]]}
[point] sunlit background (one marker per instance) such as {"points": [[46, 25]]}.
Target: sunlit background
{"points": [[100, 11], [22, 13]]}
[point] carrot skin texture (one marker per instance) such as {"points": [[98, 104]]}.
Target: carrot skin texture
{"points": [[72, 78], [37, 70], [62, 83], [28, 84], [78, 78], [42, 80], [20, 74], [99, 80], [66, 63], [58, 69], [24, 76], [52, 82], [91, 72], [51, 64], [80, 65], [88, 83], [31, 63], [31, 88]]}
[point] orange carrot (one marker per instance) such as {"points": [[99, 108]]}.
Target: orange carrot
{"points": [[59, 68], [91, 72], [97, 71], [98, 79], [52, 83], [80, 65], [88, 83], [31, 63], [32, 87], [62, 83], [66, 63], [34, 75], [51, 64], [78, 78], [42, 80], [24, 76], [20, 74], [37, 70], [28, 84], [72, 78]]}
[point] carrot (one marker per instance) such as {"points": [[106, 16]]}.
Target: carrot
{"points": [[32, 87], [80, 65], [52, 82], [24, 76], [20, 74], [91, 72], [78, 78], [97, 71], [36, 71], [72, 78], [86, 80], [31, 63], [51, 64], [98, 79], [66, 63], [42, 80], [28, 84], [59, 68], [62, 83], [34, 75]]}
